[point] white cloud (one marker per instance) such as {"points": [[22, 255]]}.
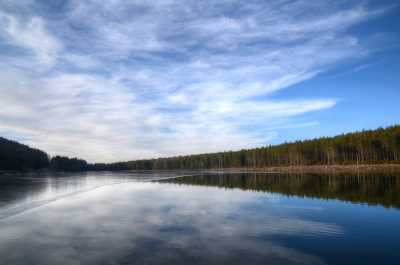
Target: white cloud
{"points": [[119, 80], [33, 35]]}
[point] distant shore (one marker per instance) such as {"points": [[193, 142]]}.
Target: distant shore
{"points": [[304, 169], [338, 169]]}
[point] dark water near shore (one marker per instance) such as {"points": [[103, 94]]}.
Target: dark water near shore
{"points": [[151, 218]]}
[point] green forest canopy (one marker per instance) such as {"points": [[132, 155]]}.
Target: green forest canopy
{"points": [[366, 147]]}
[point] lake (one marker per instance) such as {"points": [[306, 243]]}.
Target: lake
{"points": [[198, 218]]}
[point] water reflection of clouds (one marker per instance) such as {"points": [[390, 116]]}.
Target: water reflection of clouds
{"points": [[149, 223], [26, 191]]}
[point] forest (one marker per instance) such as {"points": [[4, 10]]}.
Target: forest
{"points": [[366, 147], [16, 156], [62, 163]]}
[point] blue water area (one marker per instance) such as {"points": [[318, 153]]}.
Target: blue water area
{"points": [[198, 218]]}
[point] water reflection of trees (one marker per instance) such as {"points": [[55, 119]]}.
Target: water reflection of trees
{"points": [[19, 187], [13, 189], [371, 189]]}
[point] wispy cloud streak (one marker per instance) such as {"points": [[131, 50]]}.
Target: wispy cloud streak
{"points": [[117, 80]]}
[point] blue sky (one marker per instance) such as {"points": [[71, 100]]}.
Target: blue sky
{"points": [[117, 80]]}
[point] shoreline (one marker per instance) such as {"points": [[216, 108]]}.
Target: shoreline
{"points": [[318, 169], [305, 169]]}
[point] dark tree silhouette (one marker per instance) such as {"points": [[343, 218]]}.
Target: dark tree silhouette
{"points": [[61, 163], [16, 156]]}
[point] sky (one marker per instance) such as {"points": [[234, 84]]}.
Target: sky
{"points": [[117, 80]]}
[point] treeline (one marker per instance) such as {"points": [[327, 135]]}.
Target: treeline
{"points": [[16, 156], [366, 147], [61, 163], [108, 167]]}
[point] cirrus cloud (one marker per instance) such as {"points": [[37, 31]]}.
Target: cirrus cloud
{"points": [[118, 80]]}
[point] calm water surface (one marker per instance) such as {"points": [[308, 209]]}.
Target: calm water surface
{"points": [[152, 218]]}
